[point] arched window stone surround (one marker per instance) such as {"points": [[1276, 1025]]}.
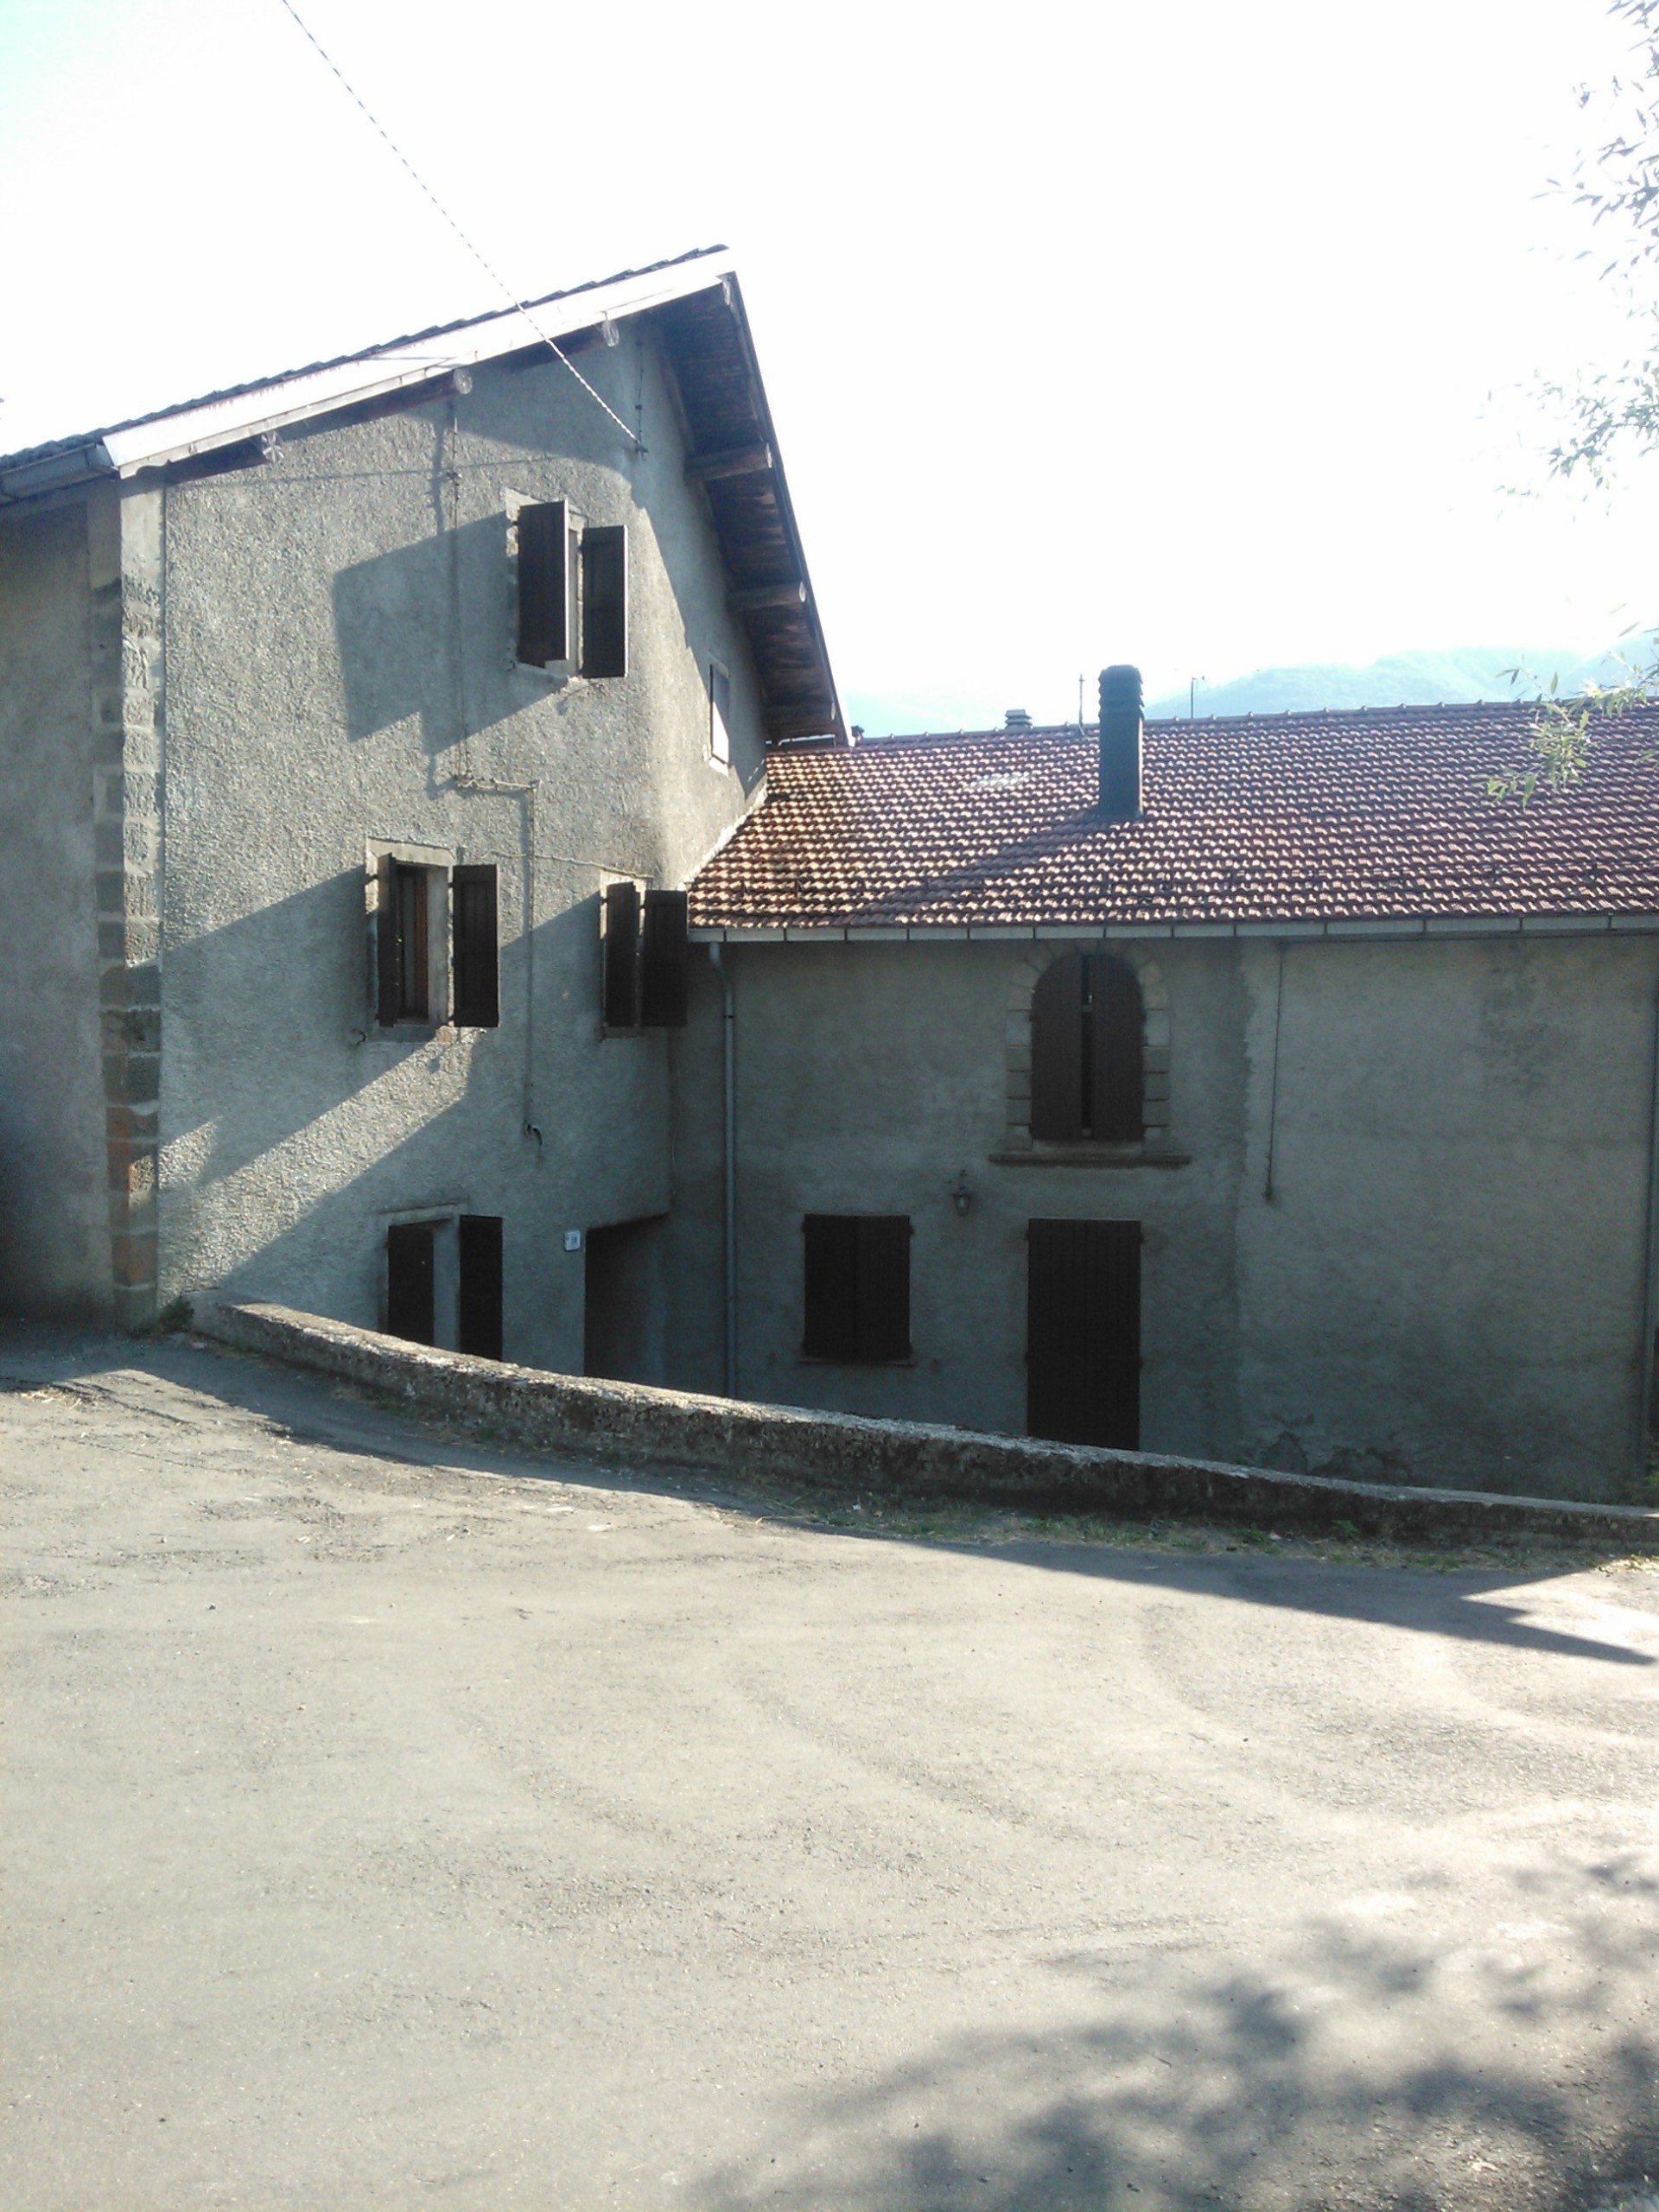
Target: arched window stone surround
{"points": [[1154, 1011]]}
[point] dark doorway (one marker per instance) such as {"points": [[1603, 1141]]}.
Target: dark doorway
{"points": [[622, 1324], [1083, 1332], [478, 1316], [411, 1277]]}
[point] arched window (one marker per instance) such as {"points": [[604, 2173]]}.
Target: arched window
{"points": [[1086, 1072]]}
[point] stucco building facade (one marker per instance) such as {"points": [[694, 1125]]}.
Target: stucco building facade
{"points": [[450, 900], [1385, 1205], [261, 649]]}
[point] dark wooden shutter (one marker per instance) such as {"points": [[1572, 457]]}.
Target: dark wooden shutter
{"points": [[388, 964], [1083, 1344], [410, 1309], [477, 985], [883, 1329], [621, 953], [831, 1258], [665, 957], [478, 1315], [1118, 1087], [544, 585], [1057, 1052], [605, 603], [857, 1271]]}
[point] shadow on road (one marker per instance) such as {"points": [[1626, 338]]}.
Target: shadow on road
{"points": [[1356, 2067], [1456, 1601]]}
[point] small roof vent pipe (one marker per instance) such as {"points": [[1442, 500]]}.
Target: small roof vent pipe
{"points": [[1120, 743]]}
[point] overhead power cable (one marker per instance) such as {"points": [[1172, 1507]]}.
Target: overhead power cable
{"points": [[520, 306]]}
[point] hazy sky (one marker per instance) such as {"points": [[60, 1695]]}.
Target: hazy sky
{"points": [[1192, 334]]}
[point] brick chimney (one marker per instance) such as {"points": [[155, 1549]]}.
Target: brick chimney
{"points": [[1120, 743]]}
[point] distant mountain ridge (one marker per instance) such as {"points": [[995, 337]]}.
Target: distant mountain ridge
{"points": [[1420, 679]]}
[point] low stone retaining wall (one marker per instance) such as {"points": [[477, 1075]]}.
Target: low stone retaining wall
{"points": [[642, 1426]]}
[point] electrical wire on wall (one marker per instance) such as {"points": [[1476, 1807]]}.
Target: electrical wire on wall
{"points": [[521, 306]]}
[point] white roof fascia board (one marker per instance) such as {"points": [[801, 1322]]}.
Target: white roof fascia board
{"points": [[1472, 925], [1373, 925], [199, 429]]}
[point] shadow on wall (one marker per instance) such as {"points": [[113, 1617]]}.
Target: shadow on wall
{"points": [[395, 630], [1344, 2068], [55, 1247], [290, 1120]]}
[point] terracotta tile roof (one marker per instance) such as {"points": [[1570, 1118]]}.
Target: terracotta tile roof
{"points": [[1379, 814]]}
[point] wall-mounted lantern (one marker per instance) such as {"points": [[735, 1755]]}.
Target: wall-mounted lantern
{"points": [[962, 1194]]}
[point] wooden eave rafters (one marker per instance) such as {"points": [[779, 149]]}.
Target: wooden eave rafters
{"points": [[731, 456]]}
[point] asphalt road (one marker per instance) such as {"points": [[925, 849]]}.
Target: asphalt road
{"points": [[391, 1823]]}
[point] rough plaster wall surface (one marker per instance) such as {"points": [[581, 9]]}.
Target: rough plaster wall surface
{"points": [[869, 1076], [54, 1249], [693, 1234], [1446, 1286], [341, 671]]}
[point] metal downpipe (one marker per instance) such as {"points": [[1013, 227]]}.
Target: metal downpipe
{"points": [[728, 1033]]}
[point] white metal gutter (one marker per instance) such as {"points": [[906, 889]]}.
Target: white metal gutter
{"points": [[1070, 933]]}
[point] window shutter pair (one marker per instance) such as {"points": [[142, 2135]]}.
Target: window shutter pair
{"points": [[646, 958], [403, 925], [411, 1283], [1087, 1077], [857, 1284], [544, 538]]}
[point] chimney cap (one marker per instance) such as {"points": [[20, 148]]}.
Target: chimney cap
{"points": [[1015, 718]]}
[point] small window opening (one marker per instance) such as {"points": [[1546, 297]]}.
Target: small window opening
{"points": [[857, 1288], [405, 943], [1087, 1055], [443, 1282], [719, 715]]}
